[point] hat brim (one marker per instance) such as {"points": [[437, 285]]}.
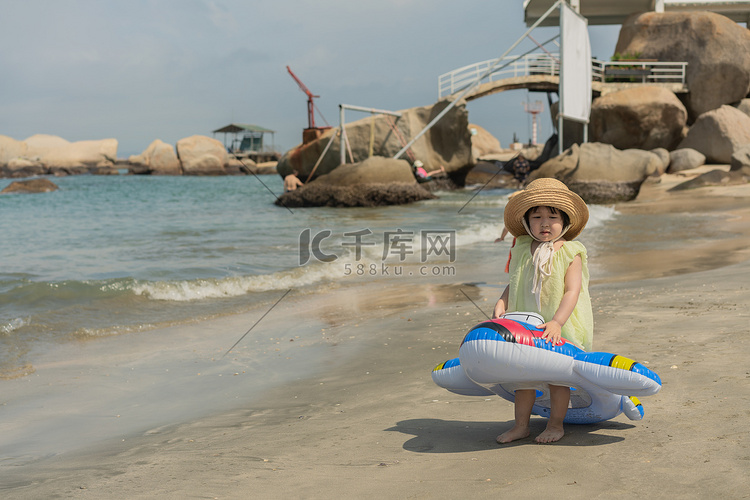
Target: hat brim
{"points": [[548, 194]]}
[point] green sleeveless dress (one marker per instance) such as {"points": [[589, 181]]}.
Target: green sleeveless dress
{"points": [[579, 328]]}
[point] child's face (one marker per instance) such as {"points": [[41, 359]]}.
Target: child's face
{"points": [[545, 225]]}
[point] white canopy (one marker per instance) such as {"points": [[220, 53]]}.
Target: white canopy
{"points": [[616, 11]]}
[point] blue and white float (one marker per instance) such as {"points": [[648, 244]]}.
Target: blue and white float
{"points": [[503, 355]]}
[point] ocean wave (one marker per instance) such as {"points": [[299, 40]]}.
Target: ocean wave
{"points": [[189, 290], [416, 246], [8, 327], [471, 196], [599, 214]]}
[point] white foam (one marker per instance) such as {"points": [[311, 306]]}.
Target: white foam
{"points": [[182, 291], [13, 324], [599, 214]]}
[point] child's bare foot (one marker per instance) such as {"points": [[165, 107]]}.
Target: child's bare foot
{"points": [[550, 434], [516, 432]]}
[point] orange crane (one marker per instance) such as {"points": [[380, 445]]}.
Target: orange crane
{"points": [[311, 132]]}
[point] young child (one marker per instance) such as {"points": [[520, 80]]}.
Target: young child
{"points": [[549, 276]]}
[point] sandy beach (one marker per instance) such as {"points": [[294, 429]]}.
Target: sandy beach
{"points": [[371, 424]]}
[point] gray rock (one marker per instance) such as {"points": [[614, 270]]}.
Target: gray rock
{"points": [[373, 182], [744, 106], [741, 160], [159, 158], [375, 170], [49, 154], [600, 173], [79, 156], [685, 159], [716, 49], [30, 186], [717, 133], [362, 195], [716, 177], [645, 117], [201, 155], [663, 155]]}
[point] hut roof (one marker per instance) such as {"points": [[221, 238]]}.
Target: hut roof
{"points": [[234, 128]]}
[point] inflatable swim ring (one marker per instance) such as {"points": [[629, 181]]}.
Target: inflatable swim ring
{"points": [[503, 355]]}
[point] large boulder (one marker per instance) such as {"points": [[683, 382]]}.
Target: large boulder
{"points": [[364, 195], [39, 145], [30, 186], [159, 158], [375, 170], [57, 153], [718, 133], [10, 148], [645, 117], [600, 173], [201, 155], [373, 182], [716, 49], [448, 143], [43, 154]]}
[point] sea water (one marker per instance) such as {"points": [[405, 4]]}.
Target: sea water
{"points": [[113, 255]]}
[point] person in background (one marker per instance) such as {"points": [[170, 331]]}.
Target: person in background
{"points": [[422, 174], [521, 168], [502, 235], [292, 182]]}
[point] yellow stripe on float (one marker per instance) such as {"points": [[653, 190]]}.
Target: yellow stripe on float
{"points": [[622, 362], [635, 400], [439, 367]]}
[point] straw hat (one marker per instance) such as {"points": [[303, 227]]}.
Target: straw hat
{"points": [[546, 192]]}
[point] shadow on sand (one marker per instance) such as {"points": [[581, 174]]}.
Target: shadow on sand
{"points": [[456, 436]]}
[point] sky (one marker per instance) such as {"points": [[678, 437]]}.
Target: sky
{"points": [[140, 70]]}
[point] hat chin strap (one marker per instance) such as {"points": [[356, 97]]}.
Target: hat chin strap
{"points": [[542, 261]]}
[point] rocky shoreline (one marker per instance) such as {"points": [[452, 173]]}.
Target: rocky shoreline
{"points": [[636, 133], [43, 154]]}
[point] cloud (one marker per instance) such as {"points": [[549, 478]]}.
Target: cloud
{"points": [[147, 69]]}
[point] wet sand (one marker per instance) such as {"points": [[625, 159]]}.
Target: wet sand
{"points": [[371, 424]]}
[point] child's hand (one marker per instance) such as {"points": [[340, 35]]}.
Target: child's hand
{"points": [[499, 310], [552, 331]]}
